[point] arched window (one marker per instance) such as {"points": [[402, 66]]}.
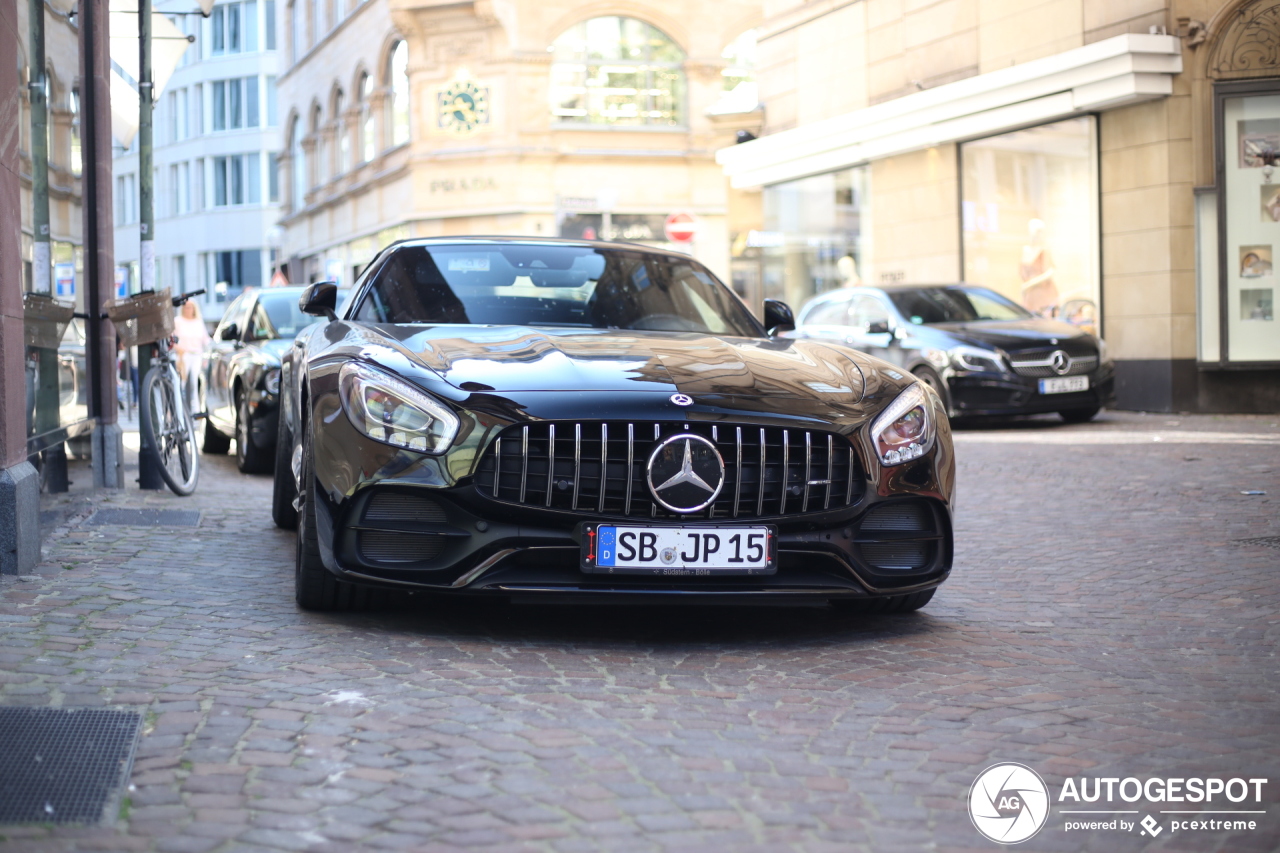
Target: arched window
{"points": [[298, 157], [739, 76], [343, 133], [398, 80], [76, 158], [365, 94], [618, 71], [321, 155]]}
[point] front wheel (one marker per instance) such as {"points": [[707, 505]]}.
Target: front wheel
{"points": [[930, 377], [315, 587], [284, 488], [168, 431], [250, 458]]}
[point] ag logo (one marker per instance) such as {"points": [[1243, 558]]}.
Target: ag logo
{"points": [[463, 106], [1008, 803]]}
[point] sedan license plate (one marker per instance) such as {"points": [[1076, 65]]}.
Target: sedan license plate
{"points": [[1064, 384], [679, 551]]}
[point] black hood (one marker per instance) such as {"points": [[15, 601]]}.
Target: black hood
{"points": [[513, 359], [1015, 335]]}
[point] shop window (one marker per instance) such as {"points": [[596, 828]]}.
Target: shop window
{"points": [[617, 71], [1029, 217], [1249, 213], [815, 236]]}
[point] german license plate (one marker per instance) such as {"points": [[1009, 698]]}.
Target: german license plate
{"points": [[627, 549], [1064, 384]]}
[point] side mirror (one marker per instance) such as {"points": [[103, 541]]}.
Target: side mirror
{"points": [[778, 317], [320, 300], [230, 332], [878, 327]]}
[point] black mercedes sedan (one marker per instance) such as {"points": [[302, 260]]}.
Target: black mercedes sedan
{"points": [[239, 382], [563, 419], [982, 353]]}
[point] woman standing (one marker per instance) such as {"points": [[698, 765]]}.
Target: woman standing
{"points": [[193, 340]]}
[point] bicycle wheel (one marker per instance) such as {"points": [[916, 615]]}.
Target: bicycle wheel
{"points": [[166, 426]]}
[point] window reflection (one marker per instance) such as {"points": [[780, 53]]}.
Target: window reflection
{"points": [[617, 71]]}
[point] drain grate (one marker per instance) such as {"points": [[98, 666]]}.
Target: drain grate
{"points": [[1263, 541], [63, 765], [146, 517]]}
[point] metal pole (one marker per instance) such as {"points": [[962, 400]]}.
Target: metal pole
{"points": [[47, 396], [148, 473]]}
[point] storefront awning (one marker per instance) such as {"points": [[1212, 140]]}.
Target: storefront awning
{"points": [[1112, 73]]}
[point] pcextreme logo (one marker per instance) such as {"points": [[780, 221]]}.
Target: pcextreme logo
{"points": [[1009, 803]]}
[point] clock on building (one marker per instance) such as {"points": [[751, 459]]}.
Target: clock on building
{"points": [[462, 106]]}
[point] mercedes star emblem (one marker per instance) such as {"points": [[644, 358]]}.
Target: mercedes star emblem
{"points": [[685, 473], [1060, 362], [682, 399]]}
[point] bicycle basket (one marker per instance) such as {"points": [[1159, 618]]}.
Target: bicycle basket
{"points": [[143, 318], [44, 320]]}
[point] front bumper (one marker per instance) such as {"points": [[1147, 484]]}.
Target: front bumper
{"points": [[469, 546], [978, 394]]}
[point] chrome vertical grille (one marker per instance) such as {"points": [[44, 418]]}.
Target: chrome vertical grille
{"points": [[598, 468]]}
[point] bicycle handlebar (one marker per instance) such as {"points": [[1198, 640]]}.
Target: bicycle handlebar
{"points": [[178, 300]]}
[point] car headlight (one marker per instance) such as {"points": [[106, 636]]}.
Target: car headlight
{"points": [[394, 412], [904, 430], [981, 360], [271, 381]]}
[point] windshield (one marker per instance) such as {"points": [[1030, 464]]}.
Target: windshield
{"points": [[552, 285], [286, 317], [927, 305]]}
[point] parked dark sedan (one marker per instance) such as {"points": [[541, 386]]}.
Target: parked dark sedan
{"points": [[239, 384], [568, 419], [982, 353]]}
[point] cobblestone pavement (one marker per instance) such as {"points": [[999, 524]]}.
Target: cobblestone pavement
{"points": [[1113, 612]]}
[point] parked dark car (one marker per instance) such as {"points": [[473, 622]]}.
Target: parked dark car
{"points": [[982, 353], [239, 383], [570, 419]]}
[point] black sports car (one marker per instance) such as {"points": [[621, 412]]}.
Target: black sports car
{"points": [[239, 383], [982, 353], [560, 418]]}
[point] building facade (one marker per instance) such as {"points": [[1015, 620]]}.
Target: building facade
{"points": [[1110, 164], [422, 118], [216, 140]]}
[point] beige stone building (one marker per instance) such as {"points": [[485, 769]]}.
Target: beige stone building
{"points": [[422, 118], [1111, 163]]}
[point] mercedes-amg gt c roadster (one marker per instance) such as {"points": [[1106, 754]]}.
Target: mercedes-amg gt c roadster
{"points": [[564, 419]]}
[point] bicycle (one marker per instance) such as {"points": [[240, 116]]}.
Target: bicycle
{"points": [[166, 424]]}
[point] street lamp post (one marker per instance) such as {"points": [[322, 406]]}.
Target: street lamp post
{"points": [[148, 470]]}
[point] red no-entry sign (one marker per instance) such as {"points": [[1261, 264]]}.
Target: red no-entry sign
{"points": [[680, 227]]}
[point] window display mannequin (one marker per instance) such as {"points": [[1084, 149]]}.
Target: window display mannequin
{"points": [[847, 268], [1039, 293]]}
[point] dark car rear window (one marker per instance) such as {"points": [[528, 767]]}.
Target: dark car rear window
{"points": [[926, 305], [552, 285]]}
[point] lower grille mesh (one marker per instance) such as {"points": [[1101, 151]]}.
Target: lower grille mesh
{"points": [[899, 536], [387, 547]]}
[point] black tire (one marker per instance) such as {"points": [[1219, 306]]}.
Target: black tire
{"points": [[1079, 416], [284, 488], [211, 441], [167, 430], [930, 377], [250, 458], [315, 587], [908, 603]]}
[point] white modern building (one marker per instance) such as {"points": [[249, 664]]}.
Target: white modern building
{"points": [[216, 141]]}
